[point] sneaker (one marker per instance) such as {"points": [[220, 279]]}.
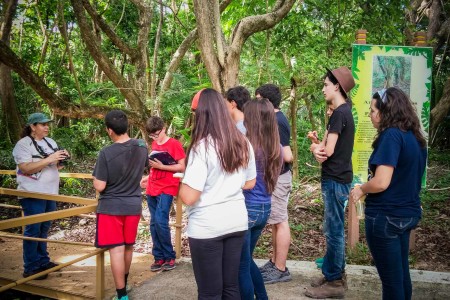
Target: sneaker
{"points": [[49, 266], [330, 289], [169, 265], [157, 265], [117, 298], [28, 274], [267, 266], [274, 275]]}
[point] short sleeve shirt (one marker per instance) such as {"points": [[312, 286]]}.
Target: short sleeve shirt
{"points": [[285, 135], [221, 207], [45, 181], [338, 166], [402, 151], [121, 166], [163, 182]]}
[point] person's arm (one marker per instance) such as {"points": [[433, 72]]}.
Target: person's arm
{"points": [[34, 167], [287, 154], [188, 195], [99, 185], [330, 144], [144, 181], [178, 167], [249, 184], [379, 183]]}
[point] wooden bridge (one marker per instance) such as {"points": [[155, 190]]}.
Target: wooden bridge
{"points": [[81, 270]]}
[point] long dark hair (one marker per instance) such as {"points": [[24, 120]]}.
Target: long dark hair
{"points": [[396, 110], [26, 131], [212, 121], [262, 132]]}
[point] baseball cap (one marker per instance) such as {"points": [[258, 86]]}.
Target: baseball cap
{"points": [[344, 77], [38, 118]]}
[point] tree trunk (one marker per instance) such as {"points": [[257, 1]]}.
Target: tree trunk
{"points": [[222, 58], [63, 31], [10, 113], [155, 56], [293, 108], [442, 108]]}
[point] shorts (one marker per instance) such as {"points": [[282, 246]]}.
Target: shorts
{"points": [[113, 231], [280, 199]]}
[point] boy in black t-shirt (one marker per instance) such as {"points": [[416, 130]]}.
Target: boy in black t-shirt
{"points": [[335, 153], [117, 174]]}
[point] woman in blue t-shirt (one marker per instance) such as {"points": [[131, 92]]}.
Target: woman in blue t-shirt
{"points": [[262, 132], [396, 167]]}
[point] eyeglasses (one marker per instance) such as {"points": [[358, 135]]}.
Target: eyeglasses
{"points": [[383, 95], [155, 134]]}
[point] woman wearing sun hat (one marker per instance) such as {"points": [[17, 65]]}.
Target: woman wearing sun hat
{"points": [[37, 158]]}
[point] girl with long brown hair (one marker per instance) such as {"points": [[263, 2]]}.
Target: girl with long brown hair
{"points": [[262, 132], [220, 164], [396, 167]]}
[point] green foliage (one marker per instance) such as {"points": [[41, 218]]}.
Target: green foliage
{"points": [[6, 159], [82, 138], [360, 255]]}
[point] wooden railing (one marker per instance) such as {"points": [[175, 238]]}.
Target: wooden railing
{"points": [[178, 207], [87, 206]]}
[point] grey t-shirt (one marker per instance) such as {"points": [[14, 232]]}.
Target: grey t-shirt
{"points": [[121, 165], [44, 181]]}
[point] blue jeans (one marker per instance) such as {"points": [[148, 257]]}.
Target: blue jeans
{"points": [[35, 254], [159, 207], [251, 283], [335, 197], [388, 240]]}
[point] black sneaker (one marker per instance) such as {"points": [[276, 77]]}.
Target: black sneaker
{"points": [[28, 274], [49, 266]]}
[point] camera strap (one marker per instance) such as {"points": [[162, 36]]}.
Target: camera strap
{"points": [[39, 148]]}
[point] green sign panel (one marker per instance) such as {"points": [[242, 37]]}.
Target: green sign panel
{"points": [[376, 67]]}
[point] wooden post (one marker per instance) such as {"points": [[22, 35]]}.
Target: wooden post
{"points": [[100, 276], [178, 226], [420, 39], [361, 36], [353, 225]]}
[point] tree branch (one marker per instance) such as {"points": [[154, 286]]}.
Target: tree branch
{"points": [[59, 105], [254, 24], [115, 39], [9, 13], [105, 64]]}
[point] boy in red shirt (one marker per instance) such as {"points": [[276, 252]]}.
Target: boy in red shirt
{"points": [[161, 187]]}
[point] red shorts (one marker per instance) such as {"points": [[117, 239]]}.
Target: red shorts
{"points": [[115, 231]]}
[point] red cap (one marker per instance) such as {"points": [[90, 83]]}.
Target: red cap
{"points": [[195, 99]]}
